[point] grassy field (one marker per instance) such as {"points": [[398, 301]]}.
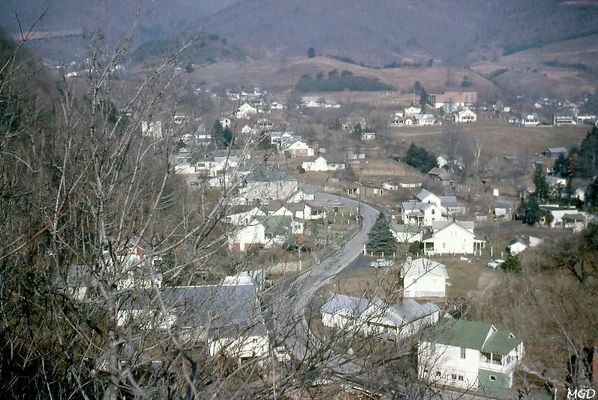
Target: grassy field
{"points": [[497, 136]]}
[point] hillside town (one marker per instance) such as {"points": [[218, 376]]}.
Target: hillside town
{"points": [[201, 218]]}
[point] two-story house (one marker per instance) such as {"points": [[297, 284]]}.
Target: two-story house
{"points": [[452, 237], [469, 355]]}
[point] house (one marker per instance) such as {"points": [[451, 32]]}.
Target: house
{"points": [[469, 355], [452, 237], [247, 236], [441, 161], [377, 318], [420, 214], [299, 196], [245, 111], [278, 208], [441, 175], [243, 214], [465, 116], [428, 197], [556, 152], [516, 246], [530, 120], [276, 106], [453, 100], [278, 229], [264, 185], [300, 149], [227, 318], [576, 221], [320, 164], [367, 136], [563, 120], [423, 277], [450, 207], [555, 182], [406, 233], [503, 208], [425, 119], [152, 129], [412, 111], [225, 122]]}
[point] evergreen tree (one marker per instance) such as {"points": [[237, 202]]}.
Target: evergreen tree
{"points": [[380, 239], [541, 193], [223, 137], [532, 211], [420, 158], [311, 52]]}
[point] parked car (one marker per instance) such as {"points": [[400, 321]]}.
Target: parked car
{"points": [[381, 262], [495, 263]]}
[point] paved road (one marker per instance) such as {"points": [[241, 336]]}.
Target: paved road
{"points": [[289, 314], [291, 327]]}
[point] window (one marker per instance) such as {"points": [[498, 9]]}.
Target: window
{"points": [[453, 376], [460, 377], [463, 354], [438, 374], [492, 378]]}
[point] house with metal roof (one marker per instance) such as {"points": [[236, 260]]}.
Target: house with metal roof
{"points": [[423, 277], [469, 355], [266, 184], [406, 233], [452, 237], [226, 318], [376, 317]]}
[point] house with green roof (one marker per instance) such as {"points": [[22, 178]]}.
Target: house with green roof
{"points": [[470, 355]]}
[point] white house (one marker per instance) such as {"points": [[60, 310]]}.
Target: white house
{"points": [[423, 278], [320, 164], [425, 119], [469, 355], [530, 120], [247, 130], [567, 218], [376, 317], [225, 122], [412, 111], [422, 214], [516, 246], [300, 149], [299, 196], [406, 233], [465, 116], [452, 237], [367, 136], [245, 111], [428, 197], [248, 236]]}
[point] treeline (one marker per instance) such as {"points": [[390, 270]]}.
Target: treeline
{"points": [[206, 49], [335, 82], [582, 161]]}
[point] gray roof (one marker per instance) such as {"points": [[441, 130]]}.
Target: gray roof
{"points": [[423, 266], [448, 201], [263, 174], [213, 308], [400, 314], [422, 194]]}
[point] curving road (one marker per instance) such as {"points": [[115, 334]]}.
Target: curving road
{"points": [[289, 311]]}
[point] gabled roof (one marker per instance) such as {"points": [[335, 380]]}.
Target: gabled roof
{"points": [[448, 201], [238, 209], [423, 266], [275, 224], [223, 308], [423, 194], [399, 314], [406, 228], [475, 335], [437, 226]]}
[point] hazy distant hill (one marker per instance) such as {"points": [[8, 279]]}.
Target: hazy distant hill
{"points": [[382, 31], [157, 19]]}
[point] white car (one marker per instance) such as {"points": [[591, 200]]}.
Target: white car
{"points": [[381, 262], [495, 263]]}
